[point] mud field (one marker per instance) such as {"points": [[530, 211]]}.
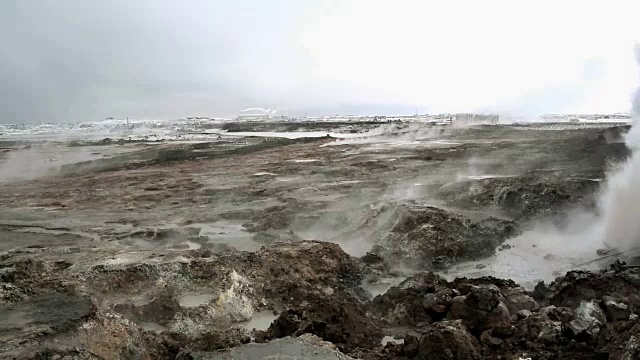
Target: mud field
{"points": [[395, 242]]}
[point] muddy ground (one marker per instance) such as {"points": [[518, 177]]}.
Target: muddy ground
{"points": [[374, 247]]}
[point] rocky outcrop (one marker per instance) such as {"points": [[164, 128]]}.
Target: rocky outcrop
{"points": [[427, 237], [521, 197], [314, 287], [417, 301], [480, 310], [448, 340], [228, 288], [340, 320]]}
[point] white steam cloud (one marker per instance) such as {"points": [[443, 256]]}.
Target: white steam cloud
{"points": [[622, 197]]}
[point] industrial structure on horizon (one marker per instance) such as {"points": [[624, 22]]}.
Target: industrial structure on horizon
{"points": [[442, 119], [435, 119]]}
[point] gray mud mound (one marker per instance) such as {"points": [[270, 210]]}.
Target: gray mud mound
{"points": [[523, 197], [540, 178], [42, 316], [196, 299], [427, 237]]}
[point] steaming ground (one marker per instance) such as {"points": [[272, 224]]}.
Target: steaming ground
{"points": [[326, 189], [618, 204], [519, 202], [542, 253]]}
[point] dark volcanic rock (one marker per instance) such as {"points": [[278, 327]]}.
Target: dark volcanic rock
{"points": [[340, 319], [419, 300], [584, 315], [579, 286], [514, 296], [294, 273], [448, 340], [480, 310], [615, 309]]}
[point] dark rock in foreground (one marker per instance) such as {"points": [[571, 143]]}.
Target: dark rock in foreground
{"points": [[448, 340], [314, 288]]}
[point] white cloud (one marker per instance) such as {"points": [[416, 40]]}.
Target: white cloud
{"points": [[470, 54], [166, 59]]}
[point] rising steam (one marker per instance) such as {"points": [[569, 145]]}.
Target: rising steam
{"points": [[622, 197]]}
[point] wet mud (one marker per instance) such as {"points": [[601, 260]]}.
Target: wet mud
{"points": [[380, 247]]}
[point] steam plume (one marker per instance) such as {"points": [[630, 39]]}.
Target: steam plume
{"points": [[622, 198]]}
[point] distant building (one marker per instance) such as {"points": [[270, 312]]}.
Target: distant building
{"points": [[475, 119]]}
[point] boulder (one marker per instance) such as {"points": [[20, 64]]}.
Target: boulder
{"points": [[589, 318], [517, 300], [480, 310], [550, 331], [523, 314], [615, 309], [340, 319], [487, 339], [447, 340], [419, 299]]}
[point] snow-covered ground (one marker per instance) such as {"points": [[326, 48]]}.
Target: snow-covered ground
{"points": [[200, 130], [115, 129]]}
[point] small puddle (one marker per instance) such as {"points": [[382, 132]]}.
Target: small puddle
{"points": [[259, 321], [391, 340], [190, 301], [153, 326], [303, 160], [229, 233]]}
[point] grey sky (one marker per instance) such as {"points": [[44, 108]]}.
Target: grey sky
{"points": [[75, 60]]}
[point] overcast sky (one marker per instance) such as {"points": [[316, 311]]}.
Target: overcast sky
{"points": [[76, 60]]}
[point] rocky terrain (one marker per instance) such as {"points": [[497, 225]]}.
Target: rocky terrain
{"points": [[316, 248]]}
